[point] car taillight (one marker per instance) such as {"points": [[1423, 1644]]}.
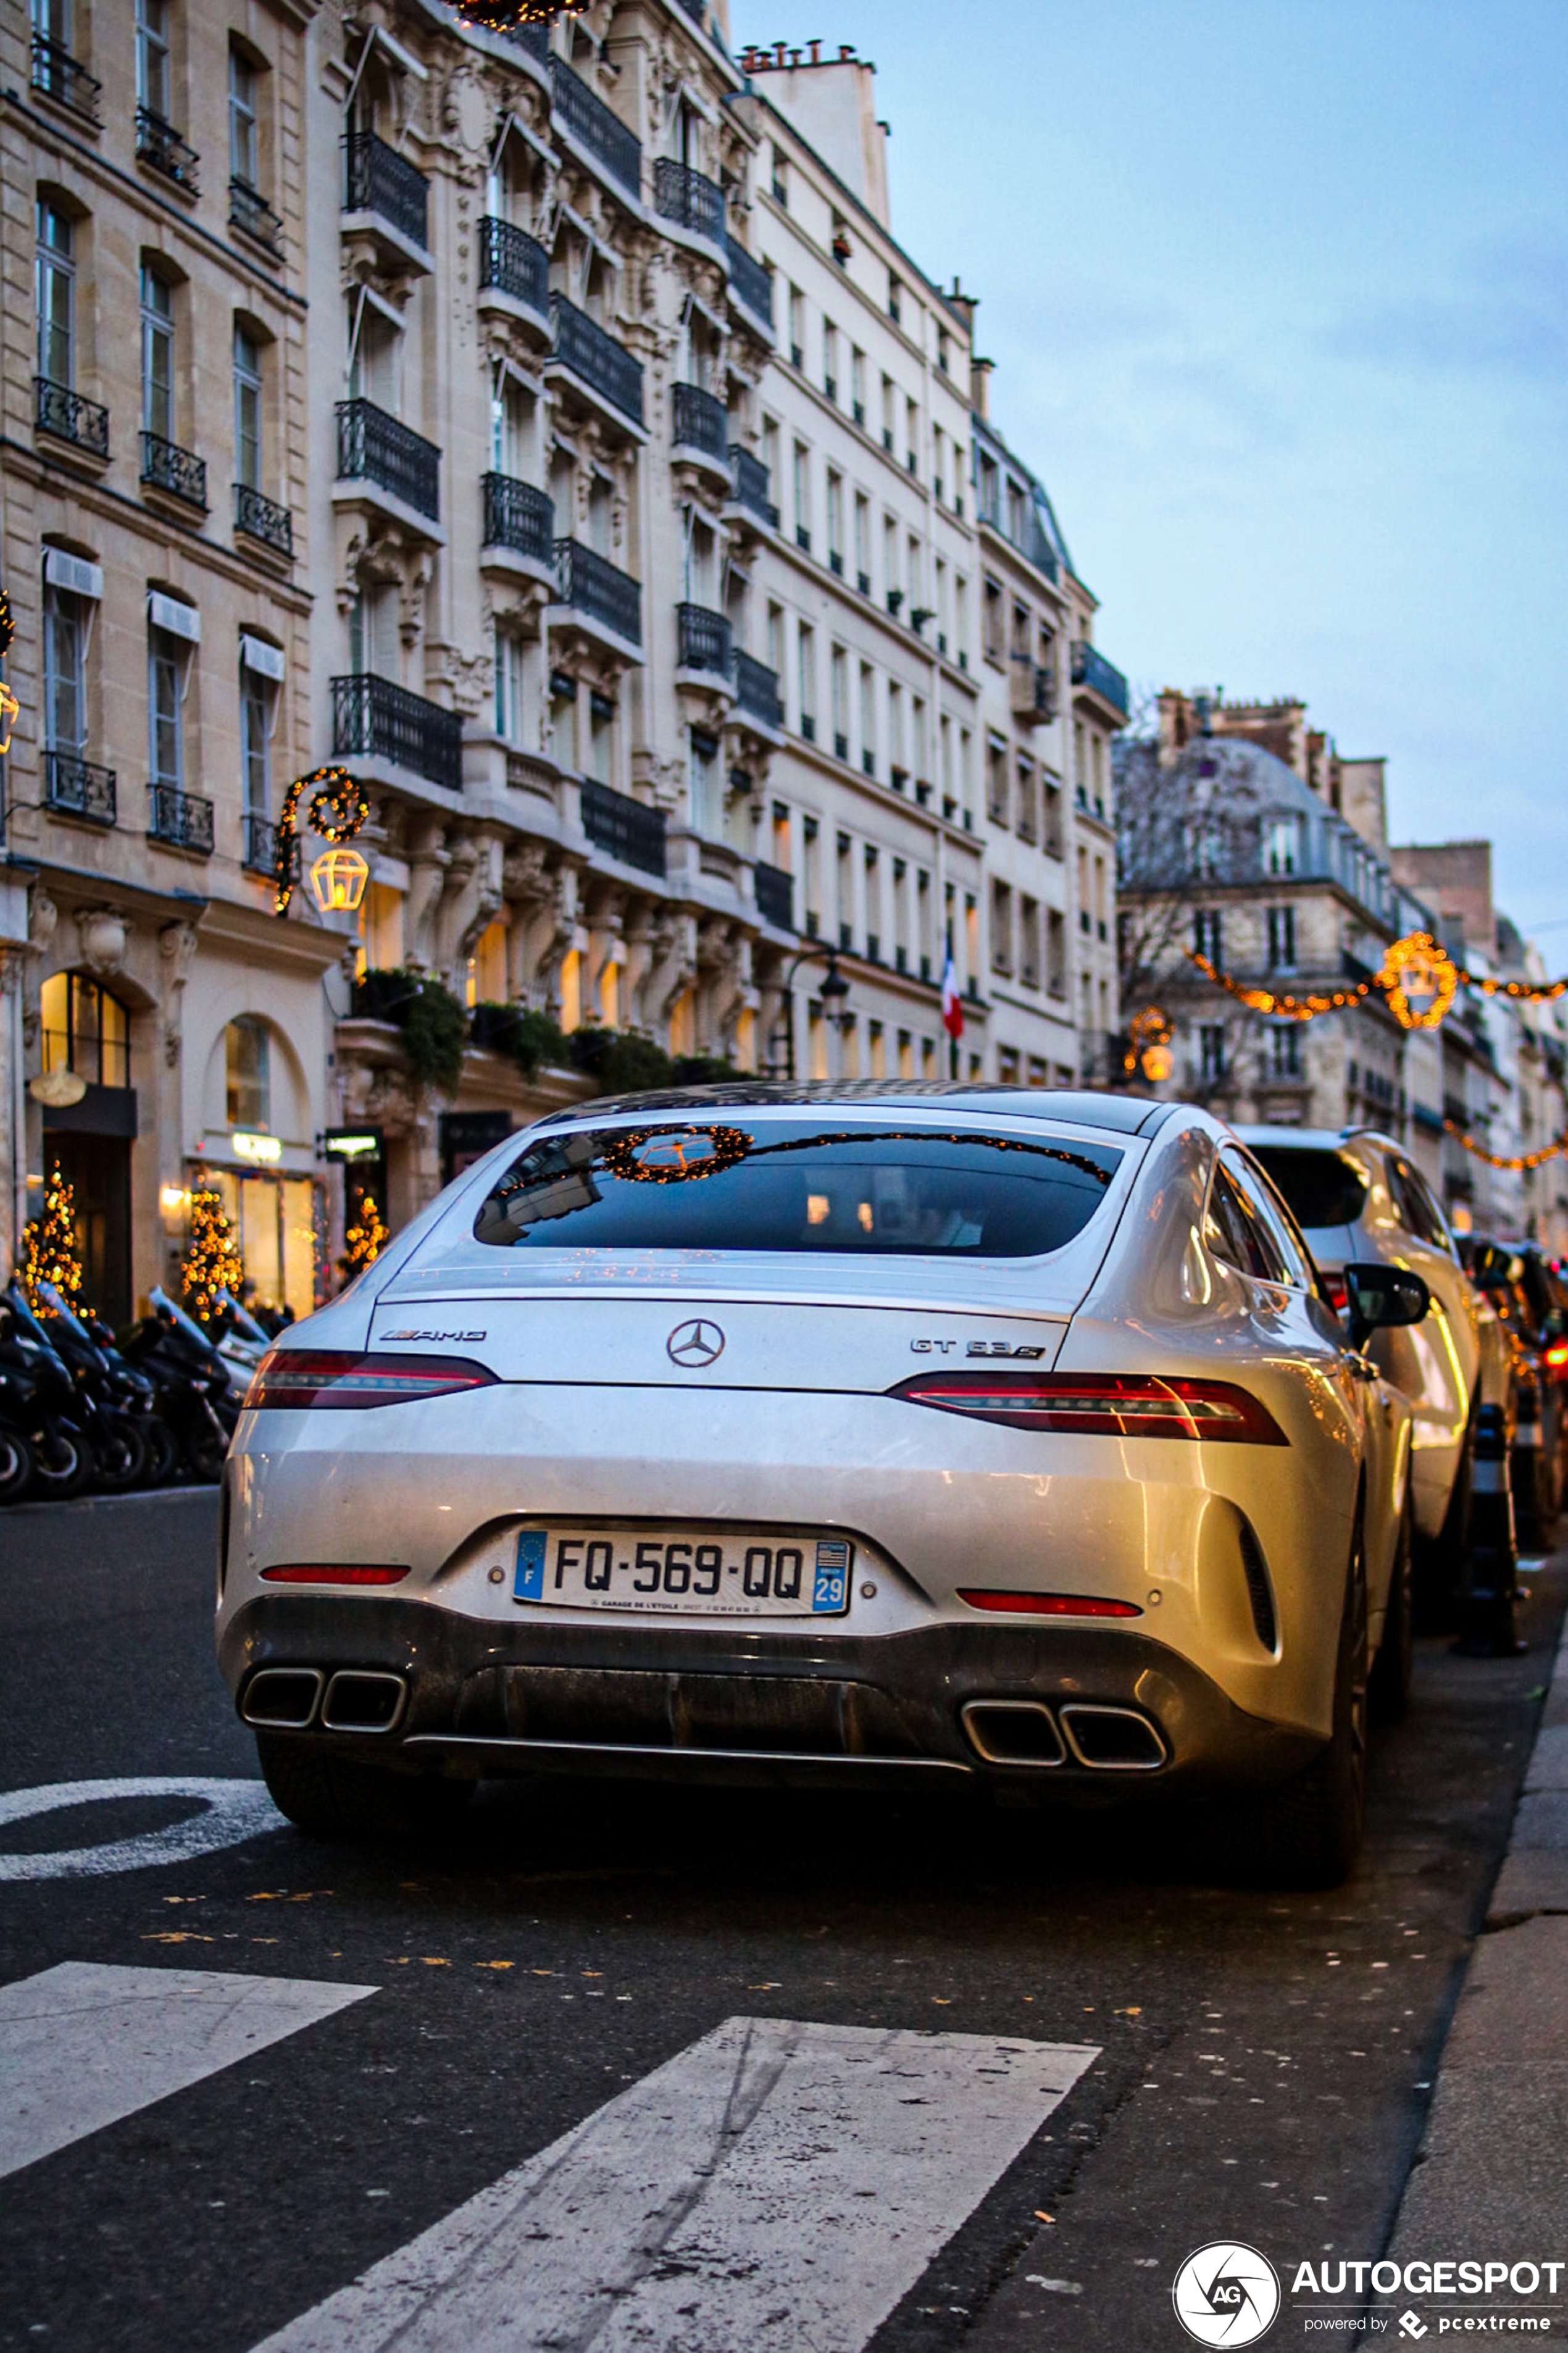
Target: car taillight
{"points": [[1046, 1605], [1101, 1404], [1557, 1355], [331, 1572], [1334, 1291], [344, 1379]]}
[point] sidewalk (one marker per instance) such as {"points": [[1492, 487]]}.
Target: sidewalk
{"points": [[1490, 2184]]}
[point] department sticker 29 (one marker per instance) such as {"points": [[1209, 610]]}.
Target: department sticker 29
{"points": [[1227, 2294]]}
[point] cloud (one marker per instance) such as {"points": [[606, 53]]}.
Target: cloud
{"points": [[1505, 313]]}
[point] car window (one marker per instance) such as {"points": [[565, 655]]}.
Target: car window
{"points": [[797, 1185], [1321, 1188], [1421, 1212], [1237, 1233], [1284, 1232]]}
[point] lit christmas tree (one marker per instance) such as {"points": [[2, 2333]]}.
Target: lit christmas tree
{"points": [[213, 1263], [49, 1245], [365, 1238]]}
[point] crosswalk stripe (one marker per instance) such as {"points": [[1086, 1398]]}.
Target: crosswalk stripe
{"points": [[773, 2185], [82, 2045]]}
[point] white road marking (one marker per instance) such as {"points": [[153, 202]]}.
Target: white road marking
{"points": [[235, 1811], [773, 2185], [81, 2046]]}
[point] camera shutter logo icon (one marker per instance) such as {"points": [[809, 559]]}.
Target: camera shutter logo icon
{"points": [[1227, 2294]]}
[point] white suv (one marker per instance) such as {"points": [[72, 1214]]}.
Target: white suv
{"points": [[1356, 1195]]}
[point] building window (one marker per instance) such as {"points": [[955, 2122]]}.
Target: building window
{"points": [[244, 160], [157, 354], [806, 651], [166, 659], [562, 720], [1282, 844], [509, 686], [601, 739], [85, 1030], [56, 267], [247, 409], [707, 811], [1282, 939], [1285, 1051], [247, 1063], [803, 497], [152, 58], [258, 704], [1208, 933], [64, 671], [1211, 1052]]}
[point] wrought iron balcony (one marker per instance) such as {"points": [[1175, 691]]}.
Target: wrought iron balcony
{"points": [[1034, 696], [519, 516], [1090, 670], [753, 483], [623, 828], [775, 896], [596, 127], [757, 689], [378, 180], [532, 39], [514, 263], [183, 820], [701, 421], [249, 210], [160, 145], [56, 74], [263, 519], [77, 787], [260, 855], [65, 414], [373, 718], [589, 583], [581, 345], [704, 640], [375, 448], [689, 199], [166, 467]]}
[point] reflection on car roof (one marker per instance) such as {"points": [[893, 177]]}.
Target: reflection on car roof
{"points": [[1121, 1114]]}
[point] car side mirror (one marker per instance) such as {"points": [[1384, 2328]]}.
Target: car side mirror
{"points": [[1379, 1297]]}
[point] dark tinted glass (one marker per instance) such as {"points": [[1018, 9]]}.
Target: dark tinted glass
{"points": [[1322, 1188], [797, 1185]]}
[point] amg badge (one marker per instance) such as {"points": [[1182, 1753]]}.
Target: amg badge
{"points": [[430, 1336]]}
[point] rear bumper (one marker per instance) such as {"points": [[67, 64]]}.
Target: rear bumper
{"points": [[733, 1704]]}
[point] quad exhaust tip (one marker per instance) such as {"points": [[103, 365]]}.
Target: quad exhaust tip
{"points": [[355, 1699], [1024, 1732]]}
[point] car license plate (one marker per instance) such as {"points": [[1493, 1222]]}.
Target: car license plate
{"points": [[691, 1575]]}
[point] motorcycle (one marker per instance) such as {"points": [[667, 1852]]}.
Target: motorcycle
{"points": [[39, 1409], [89, 1348], [196, 1393]]}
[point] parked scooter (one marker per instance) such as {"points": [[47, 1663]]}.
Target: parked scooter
{"points": [[38, 1407], [89, 1350], [196, 1393]]}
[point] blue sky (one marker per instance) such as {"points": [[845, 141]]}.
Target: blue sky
{"points": [[1277, 295]]}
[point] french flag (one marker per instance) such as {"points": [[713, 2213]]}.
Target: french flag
{"points": [[951, 998]]}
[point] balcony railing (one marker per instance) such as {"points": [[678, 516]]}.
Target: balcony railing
{"points": [[753, 483], [1090, 669], [378, 180], [261, 852], [56, 74], [581, 345], [685, 197], [373, 717], [159, 145], [701, 421], [757, 689], [183, 820], [775, 896], [519, 516], [166, 467], [263, 519], [249, 210], [65, 414], [375, 448], [704, 640], [749, 282], [514, 263], [77, 787], [1032, 695], [623, 828], [590, 584], [595, 127]]}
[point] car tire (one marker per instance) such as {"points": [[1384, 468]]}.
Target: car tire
{"points": [[1393, 1669], [1309, 1830], [329, 1795]]}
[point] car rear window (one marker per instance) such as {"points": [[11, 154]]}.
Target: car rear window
{"points": [[797, 1185], [1320, 1189]]}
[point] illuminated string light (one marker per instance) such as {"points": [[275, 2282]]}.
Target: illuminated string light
{"points": [[338, 810], [1415, 967], [1520, 1160], [1280, 1007], [8, 626]]}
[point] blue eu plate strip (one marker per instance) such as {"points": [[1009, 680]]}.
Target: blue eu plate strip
{"points": [[528, 1583], [829, 1591]]}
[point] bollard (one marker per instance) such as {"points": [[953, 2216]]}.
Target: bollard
{"points": [[1488, 1576]]}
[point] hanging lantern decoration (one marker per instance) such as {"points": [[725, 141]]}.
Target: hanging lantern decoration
{"points": [[338, 809], [1149, 1036], [338, 879], [1421, 979]]}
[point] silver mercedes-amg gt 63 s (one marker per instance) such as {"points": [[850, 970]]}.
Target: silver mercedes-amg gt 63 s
{"points": [[876, 1433]]}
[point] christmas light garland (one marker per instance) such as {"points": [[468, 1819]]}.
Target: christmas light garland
{"points": [[337, 810], [1415, 967], [1518, 1160]]}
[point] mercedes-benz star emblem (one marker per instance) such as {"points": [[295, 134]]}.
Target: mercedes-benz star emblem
{"points": [[695, 1345]]}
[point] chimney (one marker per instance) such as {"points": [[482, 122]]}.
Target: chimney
{"points": [[980, 387]]}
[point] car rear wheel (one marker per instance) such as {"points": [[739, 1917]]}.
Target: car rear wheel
{"points": [[330, 1795], [1393, 1669], [1309, 1830]]}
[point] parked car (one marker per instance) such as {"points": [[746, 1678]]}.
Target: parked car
{"points": [[1523, 1290], [815, 1435], [1357, 1196]]}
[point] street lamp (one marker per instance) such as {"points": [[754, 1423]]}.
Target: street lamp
{"points": [[833, 990]]}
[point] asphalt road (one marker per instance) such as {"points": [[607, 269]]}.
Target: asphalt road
{"points": [[1229, 2063]]}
